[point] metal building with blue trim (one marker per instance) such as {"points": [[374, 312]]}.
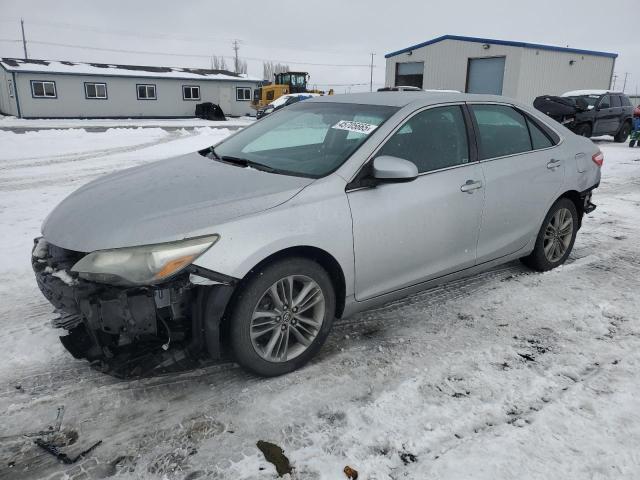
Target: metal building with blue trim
{"points": [[518, 70]]}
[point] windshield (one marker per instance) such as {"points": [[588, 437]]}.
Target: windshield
{"points": [[306, 139], [590, 99]]}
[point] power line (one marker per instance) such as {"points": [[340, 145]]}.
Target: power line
{"points": [[190, 55], [371, 74], [203, 39]]}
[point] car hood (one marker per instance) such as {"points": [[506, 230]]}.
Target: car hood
{"points": [[164, 201]]}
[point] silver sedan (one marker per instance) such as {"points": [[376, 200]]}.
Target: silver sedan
{"points": [[328, 207]]}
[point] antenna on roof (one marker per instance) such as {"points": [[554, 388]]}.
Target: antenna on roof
{"points": [[24, 41]]}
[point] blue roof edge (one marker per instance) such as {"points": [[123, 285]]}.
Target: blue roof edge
{"points": [[502, 42]]}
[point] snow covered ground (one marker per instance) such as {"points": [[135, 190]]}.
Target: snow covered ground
{"points": [[100, 123], [507, 374]]}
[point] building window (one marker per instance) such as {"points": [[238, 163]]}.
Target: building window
{"points": [[243, 94], [409, 74], [95, 91], [146, 92], [12, 92], [43, 89], [190, 92]]}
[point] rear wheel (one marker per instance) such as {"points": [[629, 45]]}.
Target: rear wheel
{"points": [[584, 130], [282, 316], [556, 237], [623, 134]]}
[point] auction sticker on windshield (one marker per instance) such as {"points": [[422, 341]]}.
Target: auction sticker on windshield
{"points": [[358, 127]]}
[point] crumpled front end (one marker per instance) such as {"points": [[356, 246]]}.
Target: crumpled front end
{"points": [[122, 330]]}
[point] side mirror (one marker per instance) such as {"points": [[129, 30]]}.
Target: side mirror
{"points": [[388, 169]]}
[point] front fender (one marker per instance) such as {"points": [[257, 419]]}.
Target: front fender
{"points": [[319, 217]]}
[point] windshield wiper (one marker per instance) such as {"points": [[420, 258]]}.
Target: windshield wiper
{"points": [[243, 162]]}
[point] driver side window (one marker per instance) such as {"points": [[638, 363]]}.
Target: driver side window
{"points": [[605, 102], [433, 139]]}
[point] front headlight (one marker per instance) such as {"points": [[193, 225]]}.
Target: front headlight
{"points": [[143, 265]]}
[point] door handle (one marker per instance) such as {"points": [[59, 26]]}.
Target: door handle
{"points": [[553, 164], [470, 186]]}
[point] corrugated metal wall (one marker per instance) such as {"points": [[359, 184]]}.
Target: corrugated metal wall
{"points": [[547, 72], [528, 72]]}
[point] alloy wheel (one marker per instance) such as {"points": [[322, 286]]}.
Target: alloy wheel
{"points": [[558, 234], [287, 318]]}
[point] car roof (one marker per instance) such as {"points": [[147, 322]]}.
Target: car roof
{"points": [[402, 99], [579, 93]]}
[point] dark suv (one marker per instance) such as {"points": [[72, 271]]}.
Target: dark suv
{"points": [[602, 113]]}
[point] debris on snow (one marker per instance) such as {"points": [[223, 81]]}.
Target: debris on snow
{"points": [[275, 455], [351, 473], [63, 457]]}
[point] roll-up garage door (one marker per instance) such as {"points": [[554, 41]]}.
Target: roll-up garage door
{"points": [[485, 75], [409, 74]]}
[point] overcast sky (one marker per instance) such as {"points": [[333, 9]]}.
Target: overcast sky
{"points": [[303, 33]]}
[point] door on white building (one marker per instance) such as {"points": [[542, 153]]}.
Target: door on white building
{"points": [[225, 100], [485, 75]]}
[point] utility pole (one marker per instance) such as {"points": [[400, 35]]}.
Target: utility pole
{"points": [[614, 79], [236, 47], [24, 41], [371, 74], [624, 86]]}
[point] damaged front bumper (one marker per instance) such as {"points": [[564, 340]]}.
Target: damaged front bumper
{"points": [[120, 328]]}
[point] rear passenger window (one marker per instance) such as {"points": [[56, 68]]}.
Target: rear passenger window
{"points": [[539, 139], [615, 101], [625, 101], [502, 131], [432, 139]]}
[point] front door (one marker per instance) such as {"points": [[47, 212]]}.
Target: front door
{"points": [[407, 233], [523, 172], [603, 117]]}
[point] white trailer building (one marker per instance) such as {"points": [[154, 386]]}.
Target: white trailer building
{"points": [[515, 69], [61, 89]]}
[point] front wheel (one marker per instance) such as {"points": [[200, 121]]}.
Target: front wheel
{"points": [[556, 237], [584, 130], [282, 316]]}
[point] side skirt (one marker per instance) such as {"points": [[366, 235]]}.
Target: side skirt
{"points": [[352, 306]]}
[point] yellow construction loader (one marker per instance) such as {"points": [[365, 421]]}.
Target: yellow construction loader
{"points": [[284, 83]]}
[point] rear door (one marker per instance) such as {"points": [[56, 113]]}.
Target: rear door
{"points": [[523, 171], [407, 233]]}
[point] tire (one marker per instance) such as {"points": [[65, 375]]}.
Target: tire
{"points": [[257, 296], [540, 259], [623, 134], [584, 130]]}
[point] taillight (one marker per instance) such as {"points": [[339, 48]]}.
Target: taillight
{"points": [[598, 158]]}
